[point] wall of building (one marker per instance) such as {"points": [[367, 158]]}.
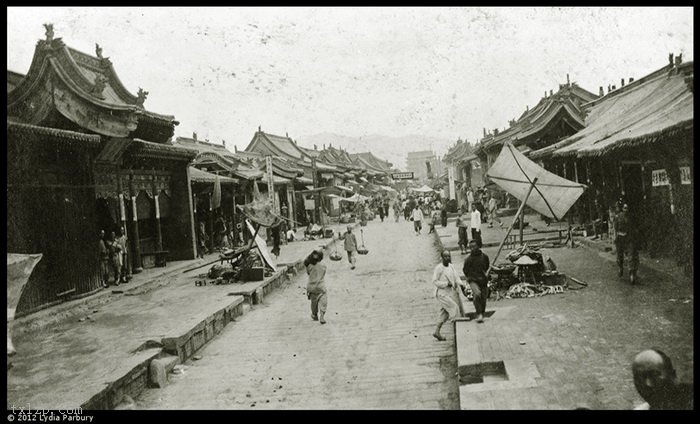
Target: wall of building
{"points": [[182, 241], [51, 210]]}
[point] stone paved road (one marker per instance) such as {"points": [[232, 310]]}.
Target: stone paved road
{"points": [[376, 352], [582, 342]]}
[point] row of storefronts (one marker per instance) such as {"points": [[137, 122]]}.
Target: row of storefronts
{"points": [[630, 145], [85, 155]]}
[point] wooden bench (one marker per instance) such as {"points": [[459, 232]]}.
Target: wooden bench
{"points": [[161, 257]]}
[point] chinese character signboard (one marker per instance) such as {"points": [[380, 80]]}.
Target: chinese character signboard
{"points": [[659, 178], [685, 174], [402, 175]]}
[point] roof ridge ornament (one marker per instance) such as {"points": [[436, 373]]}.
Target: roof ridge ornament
{"points": [[141, 97], [49, 32], [100, 83]]}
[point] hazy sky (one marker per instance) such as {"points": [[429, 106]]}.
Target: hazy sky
{"points": [[444, 72]]}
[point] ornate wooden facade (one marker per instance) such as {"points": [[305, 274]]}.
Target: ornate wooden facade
{"points": [[77, 136]]}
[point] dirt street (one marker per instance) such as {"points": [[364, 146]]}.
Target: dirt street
{"points": [[376, 351]]}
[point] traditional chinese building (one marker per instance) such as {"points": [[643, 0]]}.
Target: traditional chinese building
{"points": [[236, 176], [316, 171], [637, 146], [463, 170], [84, 154], [555, 116], [378, 170]]}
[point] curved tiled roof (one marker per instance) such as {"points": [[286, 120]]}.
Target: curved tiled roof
{"points": [[89, 139], [651, 109], [565, 103], [78, 72]]}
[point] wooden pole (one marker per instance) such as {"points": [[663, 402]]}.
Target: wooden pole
{"points": [[136, 261], [522, 207], [522, 218], [156, 202]]}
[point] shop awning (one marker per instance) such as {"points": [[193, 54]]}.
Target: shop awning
{"points": [[276, 180], [424, 189], [304, 180], [552, 195], [345, 188], [199, 176], [248, 174]]}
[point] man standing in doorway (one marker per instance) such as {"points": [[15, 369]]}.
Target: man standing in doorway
{"points": [[103, 251], [625, 244], [470, 198], [475, 224], [476, 267], [124, 243]]}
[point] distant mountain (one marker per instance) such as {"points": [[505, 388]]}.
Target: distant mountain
{"points": [[393, 149]]}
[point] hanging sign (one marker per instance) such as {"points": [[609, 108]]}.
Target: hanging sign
{"points": [[157, 207], [270, 182], [133, 208], [659, 178], [402, 175], [685, 174]]}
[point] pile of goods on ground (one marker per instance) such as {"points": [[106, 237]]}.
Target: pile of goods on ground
{"points": [[527, 274]]}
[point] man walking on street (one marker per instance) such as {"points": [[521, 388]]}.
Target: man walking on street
{"points": [[350, 242], [625, 244], [446, 280], [397, 210], [316, 287], [417, 216], [475, 224], [476, 267]]}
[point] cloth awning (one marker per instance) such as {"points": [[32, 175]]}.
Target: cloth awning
{"points": [[276, 180], [355, 198], [424, 189], [326, 175], [248, 174], [345, 188], [552, 195], [199, 176], [304, 180]]}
